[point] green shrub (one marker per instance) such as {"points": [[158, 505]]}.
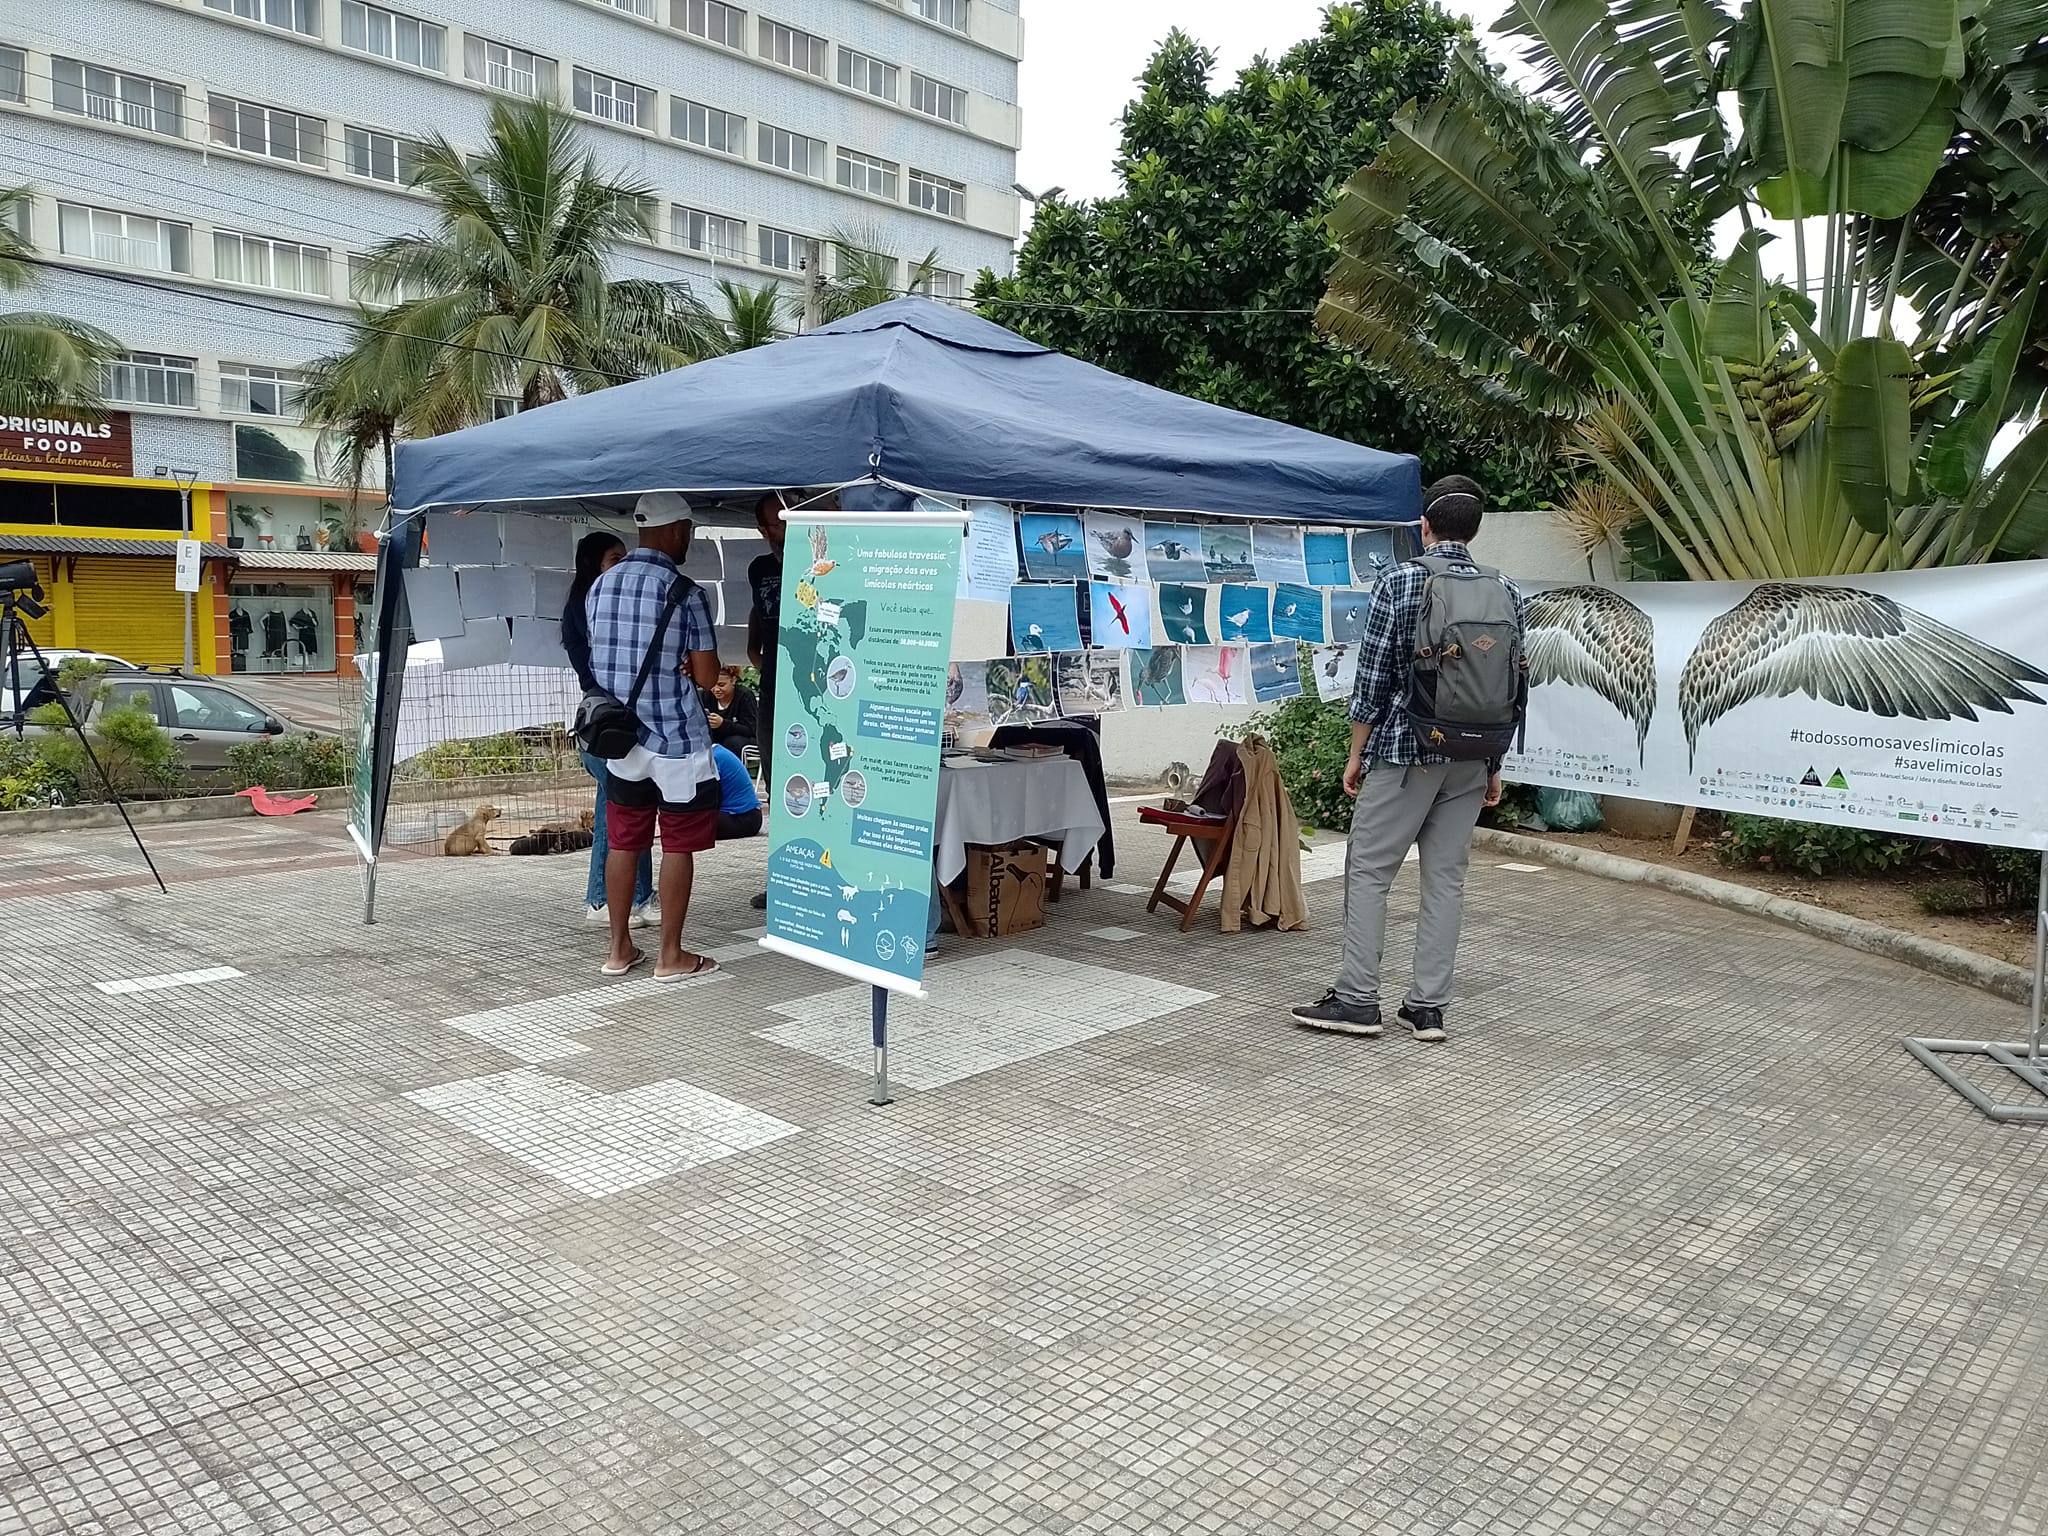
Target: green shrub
{"points": [[27, 781], [1950, 898], [1810, 848], [300, 761], [136, 755], [2005, 879], [491, 757], [1310, 741]]}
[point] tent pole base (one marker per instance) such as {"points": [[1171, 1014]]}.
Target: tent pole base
{"points": [[2010, 1055]]}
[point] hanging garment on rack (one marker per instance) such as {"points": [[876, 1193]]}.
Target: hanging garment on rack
{"points": [[306, 630], [273, 633]]}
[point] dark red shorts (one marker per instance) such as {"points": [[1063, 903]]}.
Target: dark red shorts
{"points": [[634, 807]]}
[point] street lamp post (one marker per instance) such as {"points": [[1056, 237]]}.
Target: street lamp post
{"points": [[184, 479]]}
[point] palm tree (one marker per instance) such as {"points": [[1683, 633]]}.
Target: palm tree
{"points": [[515, 293], [360, 398], [48, 363], [1541, 260], [864, 274], [753, 316]]}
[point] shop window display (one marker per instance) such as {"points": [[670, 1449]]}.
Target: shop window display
{"points": [[274, 627]]}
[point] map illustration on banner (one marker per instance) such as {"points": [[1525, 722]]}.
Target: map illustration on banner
{"points": [[1908, 701], [862, 686]]}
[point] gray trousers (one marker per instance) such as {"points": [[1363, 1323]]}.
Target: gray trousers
{"points": [[1429, 806]]}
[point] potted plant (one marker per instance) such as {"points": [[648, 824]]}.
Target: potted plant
{"points": [[244, 516]]}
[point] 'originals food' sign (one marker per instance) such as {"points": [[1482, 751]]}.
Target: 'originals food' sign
{"points": [[68, 445]]}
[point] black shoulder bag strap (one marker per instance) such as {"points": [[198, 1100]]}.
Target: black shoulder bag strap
{"points": [[676, 594]]}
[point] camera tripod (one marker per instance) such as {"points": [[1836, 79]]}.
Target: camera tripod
{"points": [[20, 602]]}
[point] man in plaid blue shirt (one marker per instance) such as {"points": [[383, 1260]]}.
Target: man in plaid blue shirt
{"points": [[1406, 797], [669, 778]]}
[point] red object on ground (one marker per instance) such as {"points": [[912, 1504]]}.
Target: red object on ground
{"points": [[267, 804]]}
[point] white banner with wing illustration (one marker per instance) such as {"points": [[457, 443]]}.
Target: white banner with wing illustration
{"points": [[1915, 701]]}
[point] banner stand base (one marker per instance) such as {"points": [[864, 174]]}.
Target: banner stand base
{"points": [[2011, 1055], [878, 1021]]}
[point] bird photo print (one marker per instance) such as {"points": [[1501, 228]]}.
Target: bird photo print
{"points": [[1053, 550], [1116, 545], [1184, 614], [1173, 552], [1119, 615], [1044, 618], [1905, 701]]}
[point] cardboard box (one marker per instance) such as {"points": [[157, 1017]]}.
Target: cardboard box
{"points": [[1005, 889]]}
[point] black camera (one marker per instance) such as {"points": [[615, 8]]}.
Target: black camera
{"points": [[21, 588]]}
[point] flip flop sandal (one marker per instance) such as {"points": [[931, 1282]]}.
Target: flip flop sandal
{"points": [[704, 967], [639, 956]]}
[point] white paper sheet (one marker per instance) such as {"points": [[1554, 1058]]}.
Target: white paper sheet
{"points": [[981, 631], [551, 593], [430, 595], [482, 643], [537, 540], [496, 591], [538, 643], [464, 538], [988, 558]]}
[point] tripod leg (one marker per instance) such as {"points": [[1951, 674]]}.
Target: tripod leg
{"points": [[16, 639]]}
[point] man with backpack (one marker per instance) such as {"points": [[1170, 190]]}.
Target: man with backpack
{"points": [[1442, 689], [652, 647]]}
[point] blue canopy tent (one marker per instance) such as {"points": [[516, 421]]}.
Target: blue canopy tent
{"points": [[908, 397], [922, 396]]}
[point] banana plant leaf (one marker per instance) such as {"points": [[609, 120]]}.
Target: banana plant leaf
{"points": [[1956, 457], [2009, 515], [1870, 428]]}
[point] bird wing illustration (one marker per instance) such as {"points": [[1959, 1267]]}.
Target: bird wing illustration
{"points": [[1123, 619], [1053, 542], [819, 538], [1239, 618], [1857, 649], [1593, 638]]}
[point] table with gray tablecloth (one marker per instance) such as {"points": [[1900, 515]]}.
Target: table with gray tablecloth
{"points": [[1046, 798]]}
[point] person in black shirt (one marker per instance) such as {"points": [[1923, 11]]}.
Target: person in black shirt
{"points": [[730, 708], [597, 553], [764, 576]]}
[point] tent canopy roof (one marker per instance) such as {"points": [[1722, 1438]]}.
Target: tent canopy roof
{"points": [[920, 394]]}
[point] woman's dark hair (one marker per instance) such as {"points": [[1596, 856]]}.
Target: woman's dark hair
{"points": [[590, 552]]}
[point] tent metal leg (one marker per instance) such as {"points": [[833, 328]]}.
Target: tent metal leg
{"points": [[878, 1019], [2020, 1058], [369, 893]]}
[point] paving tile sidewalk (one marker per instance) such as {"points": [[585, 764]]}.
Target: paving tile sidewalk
{"points": [[426, 1228]]}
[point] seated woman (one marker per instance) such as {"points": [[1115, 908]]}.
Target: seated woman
{"points": [[739, 808], [732, 712]]}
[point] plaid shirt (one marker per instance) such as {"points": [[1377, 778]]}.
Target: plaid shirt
{"points": [[623, 608], [1387, 654]]}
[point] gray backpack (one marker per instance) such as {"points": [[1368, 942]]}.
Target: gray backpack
{"points": [[1468, 690]]}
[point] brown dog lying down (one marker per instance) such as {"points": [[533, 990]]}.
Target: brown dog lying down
{"points": [[469, 837], [558, 836]]}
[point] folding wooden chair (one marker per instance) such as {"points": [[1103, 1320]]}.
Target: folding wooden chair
{"points": [[1205, 831]]}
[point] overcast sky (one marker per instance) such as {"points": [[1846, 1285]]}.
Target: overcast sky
{"points": [[1081, 58]]}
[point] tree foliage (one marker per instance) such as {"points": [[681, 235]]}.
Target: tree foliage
{"points": [[1506, 254], [1222, 209]]}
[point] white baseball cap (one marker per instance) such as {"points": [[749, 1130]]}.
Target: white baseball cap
{"points": [[657, 509]]}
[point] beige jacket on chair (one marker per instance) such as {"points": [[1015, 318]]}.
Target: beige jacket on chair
{"points": [[1262, 882]]}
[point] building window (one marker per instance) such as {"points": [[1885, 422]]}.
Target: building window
{"points": [[291, 15], [633, 7], [13, 75], [249, 390], [798, 50], [867, 74], [938, 195], [695, 123], [942, 284], [864, 173], [272, 627], [393, 35], [271, 131], [150, 378], [126, 239], [261, 262], [792, 151], [936, 99], [780, 249], [380, 156], [947, 13], [613, 101], [712, 20], [504, 68], [503, 406], [111, 96], [363, 291], [708, 234], [18, 215]]}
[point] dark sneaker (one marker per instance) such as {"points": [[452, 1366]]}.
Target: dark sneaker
{"points": [[1331, 1013], [1424, 1023], [760, 902]]}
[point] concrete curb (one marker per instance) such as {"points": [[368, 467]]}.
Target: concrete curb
{"points": [[2010, 982], [84, 818]]}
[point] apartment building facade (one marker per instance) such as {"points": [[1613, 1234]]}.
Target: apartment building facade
{"points": [[206, 174]]}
